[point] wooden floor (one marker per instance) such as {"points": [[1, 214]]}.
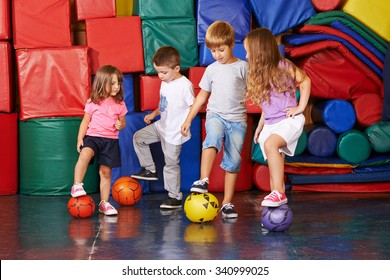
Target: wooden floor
{"points": [[327, 226]]}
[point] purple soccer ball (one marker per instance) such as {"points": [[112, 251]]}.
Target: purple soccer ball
{"points": [[277, 218]]}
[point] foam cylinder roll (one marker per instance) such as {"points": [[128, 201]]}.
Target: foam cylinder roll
{"points": [[321, 141], [48, 155], [353, 146], [379, 136], [339, 115]]}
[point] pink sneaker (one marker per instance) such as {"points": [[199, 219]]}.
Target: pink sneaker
{"points": [[107, 209], [274, 199], [77, 190]]}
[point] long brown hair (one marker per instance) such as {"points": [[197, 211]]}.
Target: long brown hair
{"points": [[103, 77], [267, 68]]}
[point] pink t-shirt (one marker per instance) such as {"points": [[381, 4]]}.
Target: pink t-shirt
{"points": [[103, 117]]}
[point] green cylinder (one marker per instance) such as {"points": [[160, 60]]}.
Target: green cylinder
{"points": [[353, 146], [48, 155]]}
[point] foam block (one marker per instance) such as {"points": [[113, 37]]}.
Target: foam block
{"points": [[326, 63], [206, 58], [151, 9], [368, 108], [41, 23], [5, 20], [327, 5], [338, 115], [195, 75], [261, 177], [51, 173], [9, 155], [379, 136], [176, 32], [344, 187], [372, 14], [327, 18], [128, 87], [60, 77], [149, 92], [6, 95], [87, 9], [353, 146], [217, 175], [386, 85], [280, 16], [321, 141], [235, 12], [124, 8], [116, 41]]}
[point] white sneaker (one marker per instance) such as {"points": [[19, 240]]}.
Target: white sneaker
{"points": [[107, 209], [77, 190]]}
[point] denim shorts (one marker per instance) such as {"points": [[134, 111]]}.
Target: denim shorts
{"points": [[106, 150], [230, 135]]}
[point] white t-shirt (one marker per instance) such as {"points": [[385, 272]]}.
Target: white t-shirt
{"points": [[176, 98], [227, 85]]}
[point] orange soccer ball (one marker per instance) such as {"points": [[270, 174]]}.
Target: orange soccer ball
{"points": [[81, 207], [126, 191]]}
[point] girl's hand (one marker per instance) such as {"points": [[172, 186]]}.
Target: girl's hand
{"points": [[80, 143], [291, 112], [119, 125], [256, 136]]}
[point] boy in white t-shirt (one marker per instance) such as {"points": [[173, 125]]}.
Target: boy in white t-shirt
{"points": [[176, 98]]}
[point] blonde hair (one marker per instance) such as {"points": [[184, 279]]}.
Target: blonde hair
{"points": [[267, 68], [166, 56], [219, 33], [103, 77]]}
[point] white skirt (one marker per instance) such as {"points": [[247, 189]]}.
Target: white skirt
{"points": [[290, 129]]}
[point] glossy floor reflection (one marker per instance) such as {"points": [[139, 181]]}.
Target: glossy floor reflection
{"points": [[326, 226]]}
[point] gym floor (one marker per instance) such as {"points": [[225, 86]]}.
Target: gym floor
{"points": [[327, 226]]}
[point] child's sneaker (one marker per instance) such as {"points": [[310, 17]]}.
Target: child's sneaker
{"points": [[77, 190], [171, 203], [200, 186], [145, 175], [107, 209], [274, 199], [228, 211]]}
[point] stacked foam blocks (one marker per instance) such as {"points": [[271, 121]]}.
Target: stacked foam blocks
{"points": [[50, 50]]}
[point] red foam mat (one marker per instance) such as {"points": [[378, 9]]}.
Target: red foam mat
{"points": [[53, 82], [149, 92], [116, 41], [41, 23], [345, 187], [9, 159], [5, 20], [87, 9], [6, 96]]}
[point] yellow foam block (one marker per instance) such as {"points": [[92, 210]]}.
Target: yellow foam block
{"points": [[124, 8], [372, 13]]}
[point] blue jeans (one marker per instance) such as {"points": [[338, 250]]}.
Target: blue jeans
{"points": [[230, 135]]}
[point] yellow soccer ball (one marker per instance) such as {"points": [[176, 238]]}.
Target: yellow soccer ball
{"points": [[201, 207]]}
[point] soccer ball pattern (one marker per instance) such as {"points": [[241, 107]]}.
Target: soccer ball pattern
{"points": [[201, 207], [81, 207], [126, 191], [277, 218]]}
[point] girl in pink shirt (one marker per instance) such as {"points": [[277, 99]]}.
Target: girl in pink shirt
{"points": [[272, 81], [98, 133]]}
